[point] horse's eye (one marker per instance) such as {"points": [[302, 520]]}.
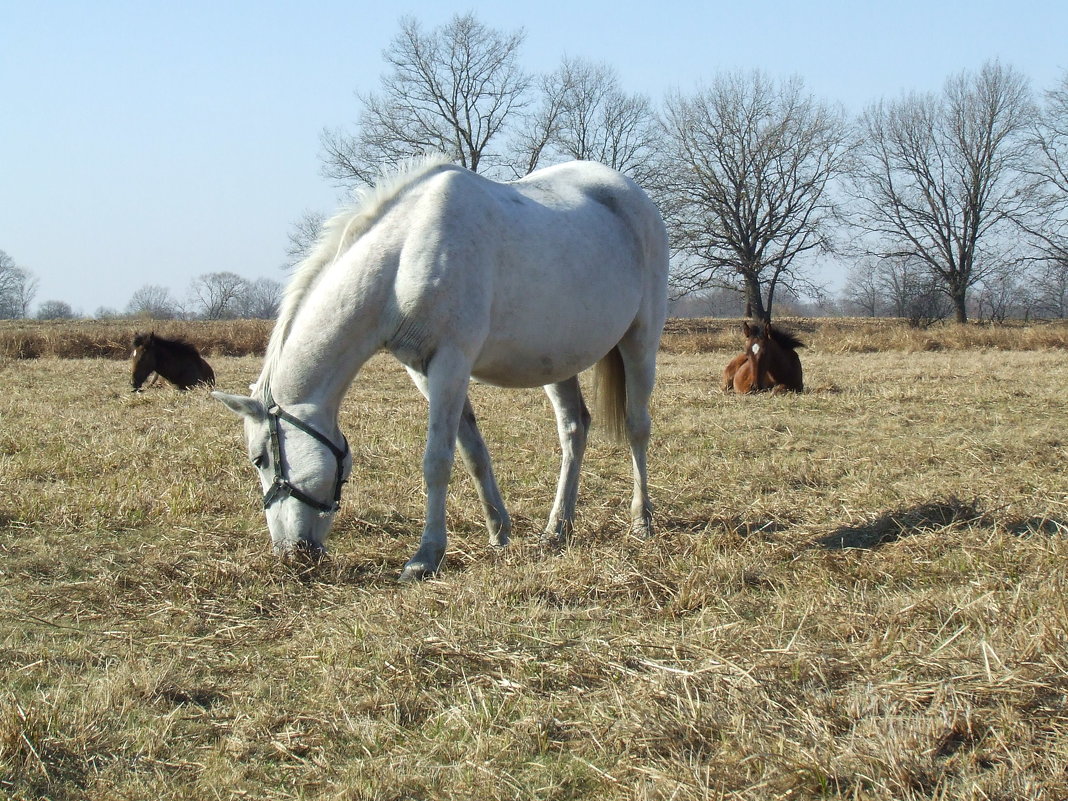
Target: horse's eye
{"points": [[260, 461]]}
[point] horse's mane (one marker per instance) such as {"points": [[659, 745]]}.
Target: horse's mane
{"points": [[786, 339], [336, 235], [175, 346]]}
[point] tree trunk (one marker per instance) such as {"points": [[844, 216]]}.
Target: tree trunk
{"points": [[754, 303], [960, 306]]}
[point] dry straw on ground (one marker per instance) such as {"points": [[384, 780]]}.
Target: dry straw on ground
{"points": [[856, 593]]}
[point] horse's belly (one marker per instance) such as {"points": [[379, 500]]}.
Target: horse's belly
{"points": [[550, 330], [542, 359]]}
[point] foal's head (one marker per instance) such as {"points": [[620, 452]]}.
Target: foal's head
{"points": [[758, 343], [144, 358]]}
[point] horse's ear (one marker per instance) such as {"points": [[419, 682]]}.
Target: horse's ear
{"points": [[241, 405], [745, 327], [767, 330]]}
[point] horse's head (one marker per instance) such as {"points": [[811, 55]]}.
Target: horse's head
{"points": [[301, 471], [144, 358], [758, 339]]}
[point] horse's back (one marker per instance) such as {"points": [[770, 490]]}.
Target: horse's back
{"points": [[180, 363], [540, 277]]}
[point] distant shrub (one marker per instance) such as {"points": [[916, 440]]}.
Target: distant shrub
{"points": [[870, 335], [111, 339]]}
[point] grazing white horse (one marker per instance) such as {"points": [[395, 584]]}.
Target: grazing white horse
{"points": [[520, 284]]}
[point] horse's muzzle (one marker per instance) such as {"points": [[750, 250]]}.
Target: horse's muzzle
{"points": [[301, 552]]}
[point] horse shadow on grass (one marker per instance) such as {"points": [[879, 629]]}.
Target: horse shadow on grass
{"points": [[1031, 526], [935, 516], [900, 523]]}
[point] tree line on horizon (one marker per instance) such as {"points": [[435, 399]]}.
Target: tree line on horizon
{"points": [[945, 204], [211, 296]]}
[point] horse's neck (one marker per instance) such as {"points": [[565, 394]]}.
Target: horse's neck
{"points": [[312, 375], [769, 361], [327, 344]]}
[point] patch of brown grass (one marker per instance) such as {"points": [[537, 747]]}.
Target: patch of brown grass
{"points": [[866, 335], [86, 339], [855, 593], [113, 339]]}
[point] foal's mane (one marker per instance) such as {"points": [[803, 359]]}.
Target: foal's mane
{"points": [[176, 346], [335, 237], [786, 339]]}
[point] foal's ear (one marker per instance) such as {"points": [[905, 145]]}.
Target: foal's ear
{"points": [[241, 405], [746, 328]]}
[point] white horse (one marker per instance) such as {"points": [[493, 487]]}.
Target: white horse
{"points": [[520, 284]]}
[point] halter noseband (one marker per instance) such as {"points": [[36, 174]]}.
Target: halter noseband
{"points": [[281, 486]]}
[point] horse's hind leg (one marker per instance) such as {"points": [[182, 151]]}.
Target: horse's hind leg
{"points": [[573, 426], [639, 364], [476, 459]]}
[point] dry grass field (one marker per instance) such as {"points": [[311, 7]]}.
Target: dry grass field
{"points": [[855, 593]]}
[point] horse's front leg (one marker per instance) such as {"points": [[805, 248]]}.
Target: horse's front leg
{"points": [[573, 425], [446, 383], [731, 370], [477, 461]]}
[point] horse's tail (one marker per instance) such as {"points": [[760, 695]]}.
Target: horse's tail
{"points": [[610, 395]]}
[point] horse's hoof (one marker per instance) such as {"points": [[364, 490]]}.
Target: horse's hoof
{"points": [[552, 542], [411, 575], [417, 571], [642, 531]]}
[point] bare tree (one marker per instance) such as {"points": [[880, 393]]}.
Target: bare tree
{"points": [[55, 310], [452, 90], [17, 288], [302, 237], [261, 299], [1050, 288], [862, 290], [707, 303], [534, 135], [585, 115], [1048, 226], [1051, 136], [941, 175], [1001, 295], [744, 185], [153, 302], [217, 296], [911, 291]]}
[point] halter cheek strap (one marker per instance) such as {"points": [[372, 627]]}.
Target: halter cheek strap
{"points": [[281, 488]]}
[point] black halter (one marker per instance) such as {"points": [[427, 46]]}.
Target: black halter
{"points": [[281, 486]]}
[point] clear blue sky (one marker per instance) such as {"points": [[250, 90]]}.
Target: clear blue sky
{"points": [[148, 142]]}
